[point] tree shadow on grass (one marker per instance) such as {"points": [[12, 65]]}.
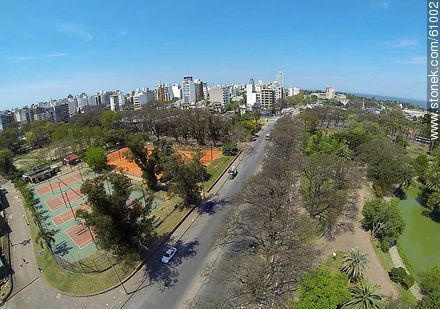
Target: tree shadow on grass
{"points": [[166, 275]]}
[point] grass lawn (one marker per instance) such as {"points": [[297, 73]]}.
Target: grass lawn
{"points": [[171, 220], [332, 264], [415, 148], [418, 243], [216, 169]]}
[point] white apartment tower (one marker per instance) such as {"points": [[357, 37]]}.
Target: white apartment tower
{"points": [[251, 94], [117, 100], [177, 91], [188, 90]]}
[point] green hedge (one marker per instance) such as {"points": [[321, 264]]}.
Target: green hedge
{"points": [[399, 275]]}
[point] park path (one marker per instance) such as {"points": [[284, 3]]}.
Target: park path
{"points": [[23, 263], [361, 239], [397, 261]]}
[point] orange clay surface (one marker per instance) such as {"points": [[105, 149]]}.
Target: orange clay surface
{"points": [[117, 159]]}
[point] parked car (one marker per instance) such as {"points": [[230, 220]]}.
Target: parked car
{"points": [[254, 138], [169, 253], [207, 207]]}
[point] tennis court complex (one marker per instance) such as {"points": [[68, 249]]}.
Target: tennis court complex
{"points": [[59, 199]]}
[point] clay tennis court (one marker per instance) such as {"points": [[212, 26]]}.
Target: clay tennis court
{"points": [[58, 201], [80, 235], [118, 160], [43, 189], [68, 215]]}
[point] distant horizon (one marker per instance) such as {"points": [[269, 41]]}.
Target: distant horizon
{"points": [[315, 43], [415, 101]]}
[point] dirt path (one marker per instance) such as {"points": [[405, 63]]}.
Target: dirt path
{"points": [[360, 238]]}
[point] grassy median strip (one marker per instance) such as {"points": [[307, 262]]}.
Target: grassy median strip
{"points": [[216, 169]]}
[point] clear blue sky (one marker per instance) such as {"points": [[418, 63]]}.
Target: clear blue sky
{"points": [[49, 48]]}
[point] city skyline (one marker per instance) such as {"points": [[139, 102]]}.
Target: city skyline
{"points": [[52, 55]]}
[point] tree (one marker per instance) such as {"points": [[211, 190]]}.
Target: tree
{"points": [[185, 177], [139, 154], [420, 164], [119, 225], [430, 281], [384, 220], [433, 203], [430, 288], [387, 163], [354, 265], [268, 239], [322, 289], [229, 149], [6, 162], [46, 236], [364, 295], [326, 187], [96, 159], [108, 118]]}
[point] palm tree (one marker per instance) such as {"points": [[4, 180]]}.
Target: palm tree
{"points": [[432, 176], [38, 217], [343, 151], [364, 295], [46, 236], [405, 176], [355, 264]]}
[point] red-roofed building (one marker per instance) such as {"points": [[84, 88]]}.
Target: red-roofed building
{"points": [[71, 159]]}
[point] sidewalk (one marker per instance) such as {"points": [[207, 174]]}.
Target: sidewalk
{"points": [[397, 261], [24, 266]]}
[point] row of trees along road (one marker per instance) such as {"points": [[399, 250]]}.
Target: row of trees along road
{"points": [[269, 239]]}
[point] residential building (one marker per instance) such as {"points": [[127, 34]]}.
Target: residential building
{"points": [[61, 113], [188, 90], [73, 105], [251, 94], [6, 117], [142, 97], [293, 91], [177, 91], [82, 100], [117, 100], [219, 94], [163, 92], [201, 90], [266, 97], [104, 98], [21, 115]]}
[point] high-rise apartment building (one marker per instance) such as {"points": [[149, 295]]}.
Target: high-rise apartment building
{"points": [[251, 94], [188, 90], [142, 97], [219, 94], [117, 100]]}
